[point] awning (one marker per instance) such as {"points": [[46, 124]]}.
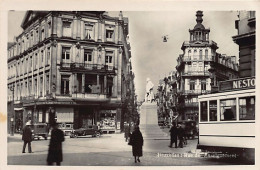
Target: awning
{"points": [[18, 109]]}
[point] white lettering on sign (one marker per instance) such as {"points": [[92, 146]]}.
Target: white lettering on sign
{"points": [[244, 83]]}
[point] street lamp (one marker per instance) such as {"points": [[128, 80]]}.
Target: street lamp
{"points": [[13, 114]]}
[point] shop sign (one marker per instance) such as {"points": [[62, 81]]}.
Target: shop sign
{"points": [[243, 83]]}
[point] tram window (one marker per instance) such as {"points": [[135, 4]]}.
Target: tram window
{"points": [[228, 109], [203, 111], [247, 108], [213, 110]]}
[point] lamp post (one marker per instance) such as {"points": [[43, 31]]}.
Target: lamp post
{"points": [[13, 113]]}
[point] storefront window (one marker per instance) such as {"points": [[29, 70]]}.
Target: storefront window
{"points": [[107, 120], [247, 108], [203, 111], [213, 110], [228, 109]]}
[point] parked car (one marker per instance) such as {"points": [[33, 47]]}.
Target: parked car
{"points": [[190, 128], [88, 130], [40, 129]]}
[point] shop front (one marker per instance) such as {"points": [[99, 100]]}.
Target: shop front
{"points": [[109, 121]]}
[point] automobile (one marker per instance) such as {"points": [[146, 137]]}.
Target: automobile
{"points": [[40, 129], [88, 130], [190, 128]]}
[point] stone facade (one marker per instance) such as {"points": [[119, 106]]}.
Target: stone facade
{"points": [[71, 66]]}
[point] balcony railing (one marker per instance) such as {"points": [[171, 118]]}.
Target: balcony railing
{"points": [[198, 58], [86, 66], [196, 73], [90, 96], [197, 91]]}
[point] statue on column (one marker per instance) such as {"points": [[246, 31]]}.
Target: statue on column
{"points": [[149, 96]]}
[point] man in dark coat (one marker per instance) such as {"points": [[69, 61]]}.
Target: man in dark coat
{"points": [[55, 147], [181, 135], [174, 135], [27, 137], [136, 140]]}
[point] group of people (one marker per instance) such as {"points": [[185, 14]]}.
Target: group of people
{"points": [[178, 132], [55, 146]]}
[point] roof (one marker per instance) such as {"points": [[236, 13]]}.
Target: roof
{"points": [[199, 26]]}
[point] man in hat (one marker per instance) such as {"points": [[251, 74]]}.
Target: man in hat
{"points": [[27, 137]]}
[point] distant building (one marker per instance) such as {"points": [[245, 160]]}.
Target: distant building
{"points": [[245, 26], [199, 69], [71, 67]]}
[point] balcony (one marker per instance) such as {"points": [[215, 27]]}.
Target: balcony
{"points": [[197, 92], [87, 67], [198, 58], [90, 97], [196, 73]]}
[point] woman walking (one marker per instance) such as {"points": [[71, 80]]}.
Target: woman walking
{"points": [[136, 140], [55, 147]]}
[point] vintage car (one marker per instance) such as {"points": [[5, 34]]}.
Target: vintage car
{"points": [[88, 130], [40, 129]]}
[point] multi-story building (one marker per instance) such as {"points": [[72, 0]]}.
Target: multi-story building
{"points": [[166, 98], [246, 41], [70, 67], [199, 69]]}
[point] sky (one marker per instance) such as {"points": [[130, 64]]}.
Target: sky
{"points": [[151, 57]]}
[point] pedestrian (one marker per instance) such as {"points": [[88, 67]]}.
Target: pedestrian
{"points": [[55, 146], [136, 140], [127, 131], [174, 135], [181, 136], [27, 137]]}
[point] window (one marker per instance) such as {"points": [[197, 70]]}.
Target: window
{"points": [[35, 61], [228, 109], [48, 56], [66, 28], [206, 54], [42, 58], [109, 58], [89, 32], [87, 56], [213, 110], [192, 85], [200, 55], [32, 40], [203, 111], [65, 83], [31, 64], [203, 85], [35, 86], [251, 14], [49, 29], [247, 108], [42, 35], [65, 54], [109, 34], [36, 36], [47, 84]]}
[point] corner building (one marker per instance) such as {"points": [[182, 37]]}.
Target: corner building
{"points": [[199, 69], [70, 67]]}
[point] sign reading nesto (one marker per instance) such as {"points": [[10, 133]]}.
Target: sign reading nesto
{"points": [[243, 83]]}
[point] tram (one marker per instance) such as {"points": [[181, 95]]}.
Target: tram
{"points": [[227, 119]]}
